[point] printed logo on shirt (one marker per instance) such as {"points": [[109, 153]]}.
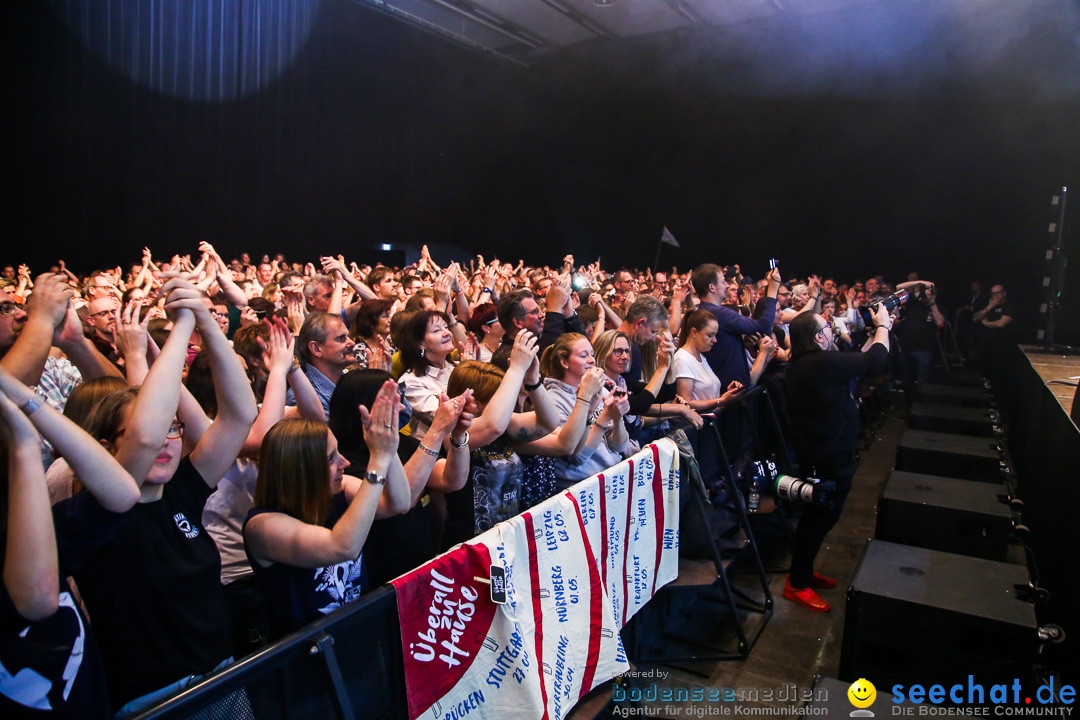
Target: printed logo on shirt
{"points": [[38, 673], [184, 525]]}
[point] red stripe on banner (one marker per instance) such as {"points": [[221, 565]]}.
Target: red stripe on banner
{"points": [[596, 597], [538, 617], [631, 482], [602, 492], [658, 511]]}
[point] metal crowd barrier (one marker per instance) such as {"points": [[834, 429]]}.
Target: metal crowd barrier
{"points": [[347, 665]]}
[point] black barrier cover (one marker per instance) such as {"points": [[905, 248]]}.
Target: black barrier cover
{"points": [[346, 665], [1044, 445]]}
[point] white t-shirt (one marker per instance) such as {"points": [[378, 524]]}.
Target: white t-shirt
{"points": [[706, 385]]}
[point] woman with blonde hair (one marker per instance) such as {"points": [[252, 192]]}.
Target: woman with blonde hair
{"points": [[308, 515], [567, 363], [612, 349]]}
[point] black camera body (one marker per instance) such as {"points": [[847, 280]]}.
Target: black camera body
{"points": [[892, 302]]}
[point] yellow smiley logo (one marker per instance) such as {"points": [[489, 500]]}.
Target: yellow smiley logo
{"points": [[862, 693]]}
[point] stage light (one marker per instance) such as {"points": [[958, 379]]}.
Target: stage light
{"points": [[202, 50]]}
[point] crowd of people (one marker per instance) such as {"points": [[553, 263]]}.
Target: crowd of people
{"points": [[202, 456]]}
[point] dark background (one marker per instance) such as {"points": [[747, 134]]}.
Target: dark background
{"points": [[882, 139]]}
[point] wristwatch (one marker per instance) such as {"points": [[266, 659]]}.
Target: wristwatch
{"points": [[374, 478]]}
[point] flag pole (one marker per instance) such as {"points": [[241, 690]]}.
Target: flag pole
{"points": [[656, 262]]}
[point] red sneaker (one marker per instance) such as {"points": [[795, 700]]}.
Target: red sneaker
{"points": [[822, 583], [806, 597]]}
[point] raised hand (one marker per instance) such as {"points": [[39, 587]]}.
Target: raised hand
{"points": [[591, 383], [50, 298], [448, 413], [278, 350], [470, 349], [332, 265], [665, 350], [129, 333], [773, 276], [380, 424], [616, 406], [180, 294], [294, 309], [69, 332], [524, 351], [380, 357]]}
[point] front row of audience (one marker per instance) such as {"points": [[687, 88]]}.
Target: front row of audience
{"points": [[206, 503]]}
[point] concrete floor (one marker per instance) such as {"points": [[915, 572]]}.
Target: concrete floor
{"points": [[797, 644]]}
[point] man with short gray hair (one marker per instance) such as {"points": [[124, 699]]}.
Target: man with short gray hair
{"points": [[646, 320], [325, 350]]}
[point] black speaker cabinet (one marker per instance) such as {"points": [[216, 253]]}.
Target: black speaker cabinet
{"points": [[957, 456], [954, 395], [955, 419], [942, 513], [924, 616]]}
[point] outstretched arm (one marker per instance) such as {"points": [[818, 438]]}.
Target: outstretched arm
{"points": [[46, 310], [221, 443], [154, 407], [99, 471], [31, 568], [496, 416]]}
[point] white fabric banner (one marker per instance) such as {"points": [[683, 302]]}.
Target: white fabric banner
{"points": [[577, 567]]}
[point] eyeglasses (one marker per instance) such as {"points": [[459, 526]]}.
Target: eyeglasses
{"points": [[620, 351], [175, 431], [10, 308], [102, 313]]}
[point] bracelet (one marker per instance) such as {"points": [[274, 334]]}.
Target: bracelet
{"points": [[463, 444], [605, 428], [429, 451], [584, 400], [31, 405], [530, 388]]}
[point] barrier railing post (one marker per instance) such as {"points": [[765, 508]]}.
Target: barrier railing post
{"points": [[324, 646]]}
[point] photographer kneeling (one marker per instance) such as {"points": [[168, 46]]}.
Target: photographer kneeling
{"points": [[826, 421]]}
